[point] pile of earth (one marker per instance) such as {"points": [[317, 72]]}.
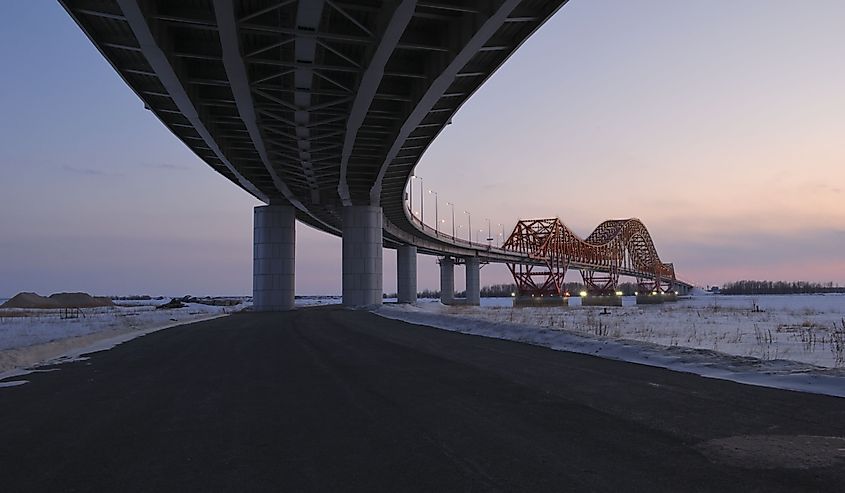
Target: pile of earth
{"points": [[57, 300], [208, 300]]}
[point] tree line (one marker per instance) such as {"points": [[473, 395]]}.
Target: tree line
{"points": [[780, 287]]}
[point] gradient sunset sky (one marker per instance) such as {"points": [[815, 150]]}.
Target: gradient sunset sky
{"points": [[720, 124]]}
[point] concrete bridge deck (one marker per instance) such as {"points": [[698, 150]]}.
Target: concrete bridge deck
{"points": [[329, 399]]}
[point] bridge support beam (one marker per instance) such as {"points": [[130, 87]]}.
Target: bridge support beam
{"points": [[473, 281], [406, 274], [447, 280], [362, 255], [274, 241]]}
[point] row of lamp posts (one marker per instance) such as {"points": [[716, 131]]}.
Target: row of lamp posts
{"points": [[437, 214]]}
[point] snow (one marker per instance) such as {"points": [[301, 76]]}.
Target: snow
{"points": [[791, 343], [32, 337]]}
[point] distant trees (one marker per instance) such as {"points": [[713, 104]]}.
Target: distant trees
{"points": [[780, 287], [498, 290], [629, 288], [429, 293]]}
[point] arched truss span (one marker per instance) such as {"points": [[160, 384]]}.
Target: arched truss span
{"points": [[616, 247]]}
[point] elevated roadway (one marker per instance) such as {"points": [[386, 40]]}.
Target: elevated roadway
{"points": [[319, 108]]}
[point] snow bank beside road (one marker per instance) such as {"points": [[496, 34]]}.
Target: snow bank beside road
{"points": [[781, 374], [32, 337]]}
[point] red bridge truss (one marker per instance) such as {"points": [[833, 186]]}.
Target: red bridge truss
{"points": [[616, 247]]}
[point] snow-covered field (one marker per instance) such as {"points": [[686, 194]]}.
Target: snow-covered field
{"points": [[805, 328], [29, 337], [794, 342]]}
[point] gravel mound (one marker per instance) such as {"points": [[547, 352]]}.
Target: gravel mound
{"points": [[57, 300]]}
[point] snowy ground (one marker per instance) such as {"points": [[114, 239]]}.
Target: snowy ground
{"points": [[30, 337], [795, 342]]}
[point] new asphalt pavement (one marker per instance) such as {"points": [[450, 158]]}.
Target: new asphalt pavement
{"points": [[332, 400]]}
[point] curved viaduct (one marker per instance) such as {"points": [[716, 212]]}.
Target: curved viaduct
{"points": [[321, 109]]}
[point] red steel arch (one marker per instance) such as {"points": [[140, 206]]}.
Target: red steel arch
{"points": [[616, 247]]}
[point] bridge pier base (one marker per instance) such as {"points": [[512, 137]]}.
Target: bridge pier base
{"points": [[525, 301], [406, 274], [601, 300], [273, 258], [650, 299], [362, 255], [447, 280], [473, 281]]}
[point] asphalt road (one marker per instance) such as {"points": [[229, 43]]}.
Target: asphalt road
{"points": [[328, 399]]}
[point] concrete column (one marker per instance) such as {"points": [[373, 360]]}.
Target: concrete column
{"points": [[473, 281], [447, 280], [362, 255], [406, 274], [273, 252]]}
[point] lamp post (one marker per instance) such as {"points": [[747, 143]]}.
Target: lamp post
{"points": [[489, 233], [469, 226], [501, 235], [411, 195], [422, 203], [436, 213], [453, 218]]}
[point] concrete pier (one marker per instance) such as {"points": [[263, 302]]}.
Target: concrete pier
{"points": [[526, 301], [608, 300], [447, 280], [650, 299], [473, 281], [273, 258], [362, 255], [406, 274]]}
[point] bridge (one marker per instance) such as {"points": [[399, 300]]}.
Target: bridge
{"points": [[321, 109], [615, 248]]}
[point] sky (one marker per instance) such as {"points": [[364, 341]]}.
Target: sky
{"points": [[721, 125]]}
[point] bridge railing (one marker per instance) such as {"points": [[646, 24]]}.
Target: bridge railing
{"points": [[437, 234]]}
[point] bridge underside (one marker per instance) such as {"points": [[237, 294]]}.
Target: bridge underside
{"points": [[321, 108], [316, 104], [319, 105]]}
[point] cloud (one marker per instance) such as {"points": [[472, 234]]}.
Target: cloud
{"points": [[165, 166], [88, 171], [814, 255]]}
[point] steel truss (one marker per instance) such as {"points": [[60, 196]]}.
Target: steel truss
{"points": [[614, 248]]}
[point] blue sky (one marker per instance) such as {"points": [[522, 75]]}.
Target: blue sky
{"points": [[719, 124]]}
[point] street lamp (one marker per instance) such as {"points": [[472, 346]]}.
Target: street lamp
{"points": [[436, 214], [453, 218], [422, 203], [469, 226], [501, 235], [411, 195], [489, 234]]}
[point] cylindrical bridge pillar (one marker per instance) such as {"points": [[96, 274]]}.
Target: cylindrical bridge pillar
{"points": [[406, 274], [447, 280], [273, 261], [362, 255], [473, 281]]}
